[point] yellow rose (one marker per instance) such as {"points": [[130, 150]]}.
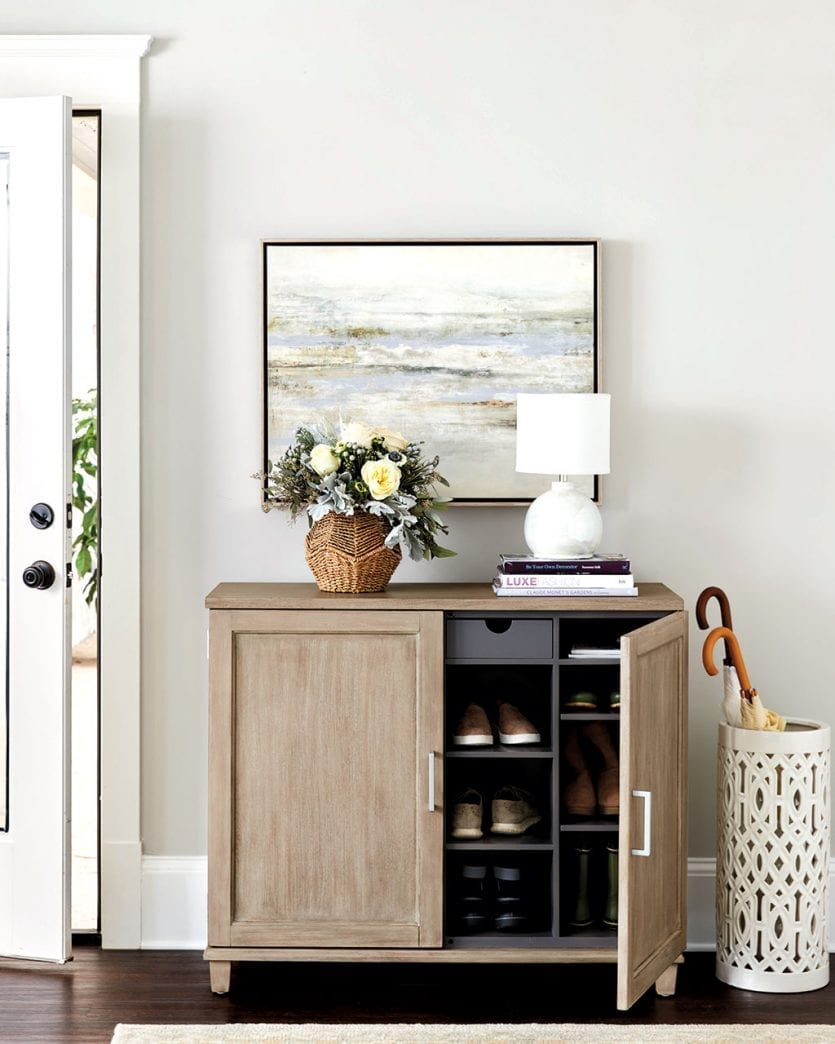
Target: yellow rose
{"points": [[357, 432], [392, 440], [382, 478], [323, 460]]}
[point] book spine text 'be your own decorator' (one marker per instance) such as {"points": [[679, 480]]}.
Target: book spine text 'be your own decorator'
{"points": [[519, 564]]}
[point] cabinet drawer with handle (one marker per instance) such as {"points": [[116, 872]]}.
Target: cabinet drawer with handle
{"points": [[499, 638]]}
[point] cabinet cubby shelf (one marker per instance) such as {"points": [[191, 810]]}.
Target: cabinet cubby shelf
{"points": [[588, 661], [585, 937], [501, 844], [589, 826], [495, 753], [464, 661], [501, 940], [598, 933], [588, 716], [576, 940]]}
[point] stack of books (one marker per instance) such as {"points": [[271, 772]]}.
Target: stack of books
{"points": [[607, 576]]}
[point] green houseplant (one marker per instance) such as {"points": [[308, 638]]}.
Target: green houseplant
{"points": [[85, 492]]}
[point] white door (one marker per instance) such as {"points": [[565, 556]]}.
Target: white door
{"points": [[35, 136]]}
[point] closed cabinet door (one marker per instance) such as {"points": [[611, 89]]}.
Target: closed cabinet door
{"points": [[652, 920], [326, 827]]}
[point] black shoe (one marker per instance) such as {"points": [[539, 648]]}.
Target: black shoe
{"points": [[511, 913], [472, 898]]}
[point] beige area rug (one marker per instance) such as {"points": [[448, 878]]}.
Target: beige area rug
{"points": [[567, 1033]]}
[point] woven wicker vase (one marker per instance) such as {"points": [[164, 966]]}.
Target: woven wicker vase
{"points": [[348, 553]]}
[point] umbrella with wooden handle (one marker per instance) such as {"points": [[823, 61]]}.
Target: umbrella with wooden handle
{"points": [[724, 613], [731, 705], [752, 712]]}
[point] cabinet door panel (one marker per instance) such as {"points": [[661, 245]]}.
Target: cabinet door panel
{"points": [[331, 840], [652, 919]]}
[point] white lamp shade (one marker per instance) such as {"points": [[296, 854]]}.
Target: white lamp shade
{"points": [[563, 434]]}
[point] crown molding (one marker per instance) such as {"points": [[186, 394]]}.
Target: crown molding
{"points": [[98, 46]]}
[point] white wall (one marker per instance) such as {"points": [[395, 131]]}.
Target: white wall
{"points": [[694, 139]]}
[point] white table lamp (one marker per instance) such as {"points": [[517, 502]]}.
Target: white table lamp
{"points": [[563, 434]]}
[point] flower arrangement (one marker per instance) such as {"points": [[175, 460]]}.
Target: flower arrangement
{"points": [[362, 469]]}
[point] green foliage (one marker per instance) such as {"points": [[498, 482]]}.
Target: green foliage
{"points": [[323, 471], [84, 479]]}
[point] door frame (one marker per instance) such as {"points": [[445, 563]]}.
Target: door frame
{"points": [[103, 72]]}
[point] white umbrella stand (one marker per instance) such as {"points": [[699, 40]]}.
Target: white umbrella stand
{"points": [[772, 857], [772, 833]]}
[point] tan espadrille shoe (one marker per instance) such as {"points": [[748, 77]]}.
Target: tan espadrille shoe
{"points": [[467, 811], [514, 811], [514, 727], [473, 730]]}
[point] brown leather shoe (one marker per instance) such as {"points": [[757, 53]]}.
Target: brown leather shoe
{"points": [[514, 727], [608, 782], [578, 796], [473, 730]]}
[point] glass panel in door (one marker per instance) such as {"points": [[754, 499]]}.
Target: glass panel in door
{"points": [[86, 135]]}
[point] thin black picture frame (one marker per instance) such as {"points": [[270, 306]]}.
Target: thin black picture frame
{"points": [[594, 382]]}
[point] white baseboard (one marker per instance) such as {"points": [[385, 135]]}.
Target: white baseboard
{"points": [[174, 903]]}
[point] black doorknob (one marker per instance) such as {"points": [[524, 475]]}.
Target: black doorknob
{"points": [[39, 575]]}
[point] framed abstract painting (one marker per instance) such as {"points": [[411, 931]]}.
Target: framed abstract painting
{"points": [[433, 338]]}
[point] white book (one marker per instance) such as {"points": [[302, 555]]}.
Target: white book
{"points": [[566, 592], [559, 582], [589, 650]]}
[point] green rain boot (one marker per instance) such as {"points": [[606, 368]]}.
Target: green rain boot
{"points": [[582, 912], [610, 917]]}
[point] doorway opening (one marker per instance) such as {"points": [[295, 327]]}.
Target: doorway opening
{"points": [[86, 249]]}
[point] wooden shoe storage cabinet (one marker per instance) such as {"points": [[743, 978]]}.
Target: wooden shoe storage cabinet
{"points": [[333, 774]]}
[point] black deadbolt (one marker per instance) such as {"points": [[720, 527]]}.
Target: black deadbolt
{"points": [[39, 575], [41, 516]]}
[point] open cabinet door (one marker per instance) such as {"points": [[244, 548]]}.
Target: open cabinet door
{"points": [[34, 538], [652, 887]]}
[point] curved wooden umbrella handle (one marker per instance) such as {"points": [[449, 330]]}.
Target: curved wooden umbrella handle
{"points": [[732, 645], [724, 610], [724, 607]]}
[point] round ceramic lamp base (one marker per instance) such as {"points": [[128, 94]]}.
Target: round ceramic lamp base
{"points": [[563, 523]]}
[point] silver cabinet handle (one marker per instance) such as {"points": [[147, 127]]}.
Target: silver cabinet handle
{"points": [[431, 780], [647, 796]]}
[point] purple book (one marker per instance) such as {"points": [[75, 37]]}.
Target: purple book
{"points": [[611, 564]]}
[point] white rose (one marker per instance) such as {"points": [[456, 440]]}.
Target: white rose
{"points": [[357, 432], [323, 460], [382, 477], [392, 440]]}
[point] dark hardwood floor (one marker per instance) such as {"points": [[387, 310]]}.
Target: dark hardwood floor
{"points": [[83, 1000]]}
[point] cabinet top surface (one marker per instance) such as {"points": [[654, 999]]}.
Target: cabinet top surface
{"points": [[651, 597]]}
